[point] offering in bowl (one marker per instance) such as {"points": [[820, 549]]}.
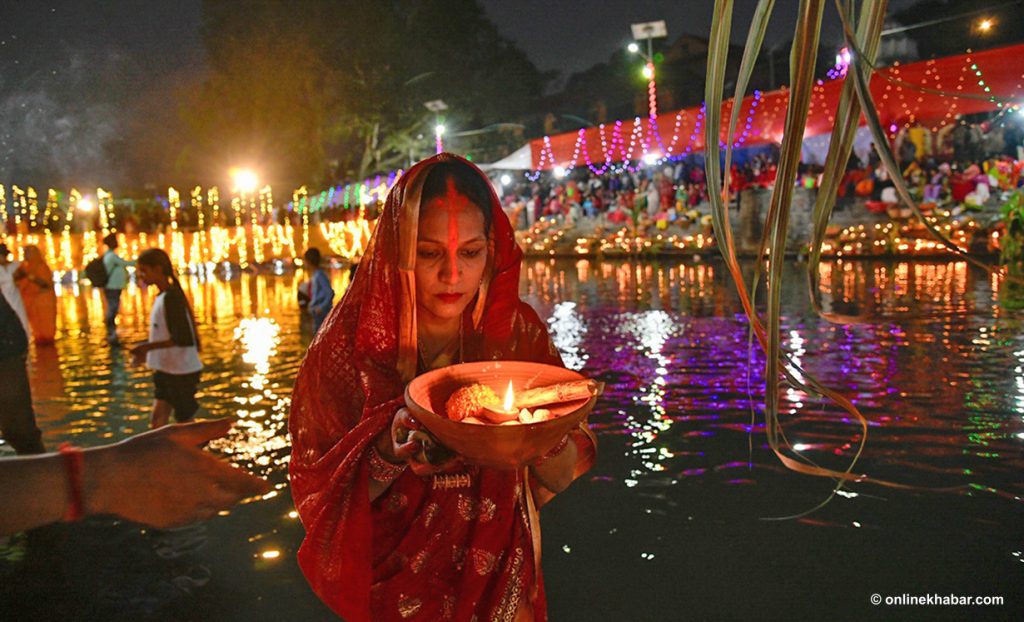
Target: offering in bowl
{"points": [[508, 440]]}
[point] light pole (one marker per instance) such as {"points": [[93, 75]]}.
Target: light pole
{"points": [[437, 106], [641, 31]]}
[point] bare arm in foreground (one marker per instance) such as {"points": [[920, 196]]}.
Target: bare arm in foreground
{"points": [[160, 478]]}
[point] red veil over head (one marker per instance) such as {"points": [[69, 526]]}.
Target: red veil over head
{"points": [[352, 379]]}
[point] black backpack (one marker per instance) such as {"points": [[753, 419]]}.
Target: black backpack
{"points": [[96, 272]]}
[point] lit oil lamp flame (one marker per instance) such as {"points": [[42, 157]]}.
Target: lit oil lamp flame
{"points": [[509, 398]]}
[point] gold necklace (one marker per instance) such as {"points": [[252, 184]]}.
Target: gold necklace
{"points": [[422, 360]]}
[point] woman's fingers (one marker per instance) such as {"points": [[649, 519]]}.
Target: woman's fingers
{"points": [[407, 450]]}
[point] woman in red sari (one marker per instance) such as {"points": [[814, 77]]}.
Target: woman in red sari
{"points": [[386, 539]]}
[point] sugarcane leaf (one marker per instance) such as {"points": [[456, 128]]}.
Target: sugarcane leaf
{"points": [[840, 147], [867, 103]]}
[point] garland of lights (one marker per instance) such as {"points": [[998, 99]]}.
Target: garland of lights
{"points": [[174, 204], [650, 148], [348, 239], [105, 204]]}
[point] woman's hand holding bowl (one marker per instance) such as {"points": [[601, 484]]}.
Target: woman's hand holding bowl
{"points": [[412, 443]]}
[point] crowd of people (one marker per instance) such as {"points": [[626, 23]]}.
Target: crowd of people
{"points": [[965, 184], [965, 163]]}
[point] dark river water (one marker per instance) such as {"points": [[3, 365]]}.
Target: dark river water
{"points": [[679, 518]]}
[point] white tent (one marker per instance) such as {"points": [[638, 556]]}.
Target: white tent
{"points": [[518, 160], [815, 148]]}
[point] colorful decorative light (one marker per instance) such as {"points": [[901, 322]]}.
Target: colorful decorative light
{"points": [[842, 65], [761, 120], [299, 200], [438, 137], [18, 203], [174, 205], [33, 207], [213, 200], [105, 203], [196, 201]]}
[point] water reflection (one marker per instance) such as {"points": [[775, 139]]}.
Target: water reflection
{"points": [[567, 331], [683, 470], [259, 437], [669, 342]]}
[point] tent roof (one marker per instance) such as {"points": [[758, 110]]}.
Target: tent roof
{"points": [[518, 160], [763, 114]]}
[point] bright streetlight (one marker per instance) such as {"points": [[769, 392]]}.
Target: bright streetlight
{"points": [[985, 25], [437, 106], [506, 179], [439, 137], [648, 30], [86, 205], [245, 180]]}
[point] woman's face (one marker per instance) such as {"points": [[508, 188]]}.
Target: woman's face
{"points": [[451, 254]]}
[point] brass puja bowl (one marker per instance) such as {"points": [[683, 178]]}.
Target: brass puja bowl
{"points": [[507, 446]]}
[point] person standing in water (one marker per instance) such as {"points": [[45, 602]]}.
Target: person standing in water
{"points": [[384, 541], [10, 273], [321, 294], [17, 418], [172, 351], [117, 279]]}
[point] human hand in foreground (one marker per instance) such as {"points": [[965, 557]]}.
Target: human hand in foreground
{"points": [[412, 443], [163, 478]]}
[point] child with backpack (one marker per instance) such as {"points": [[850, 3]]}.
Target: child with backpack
{"points": [[109, 272], [172, 351]]}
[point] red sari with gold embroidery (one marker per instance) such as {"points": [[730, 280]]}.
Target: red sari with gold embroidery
{"points": [[416, 552]]}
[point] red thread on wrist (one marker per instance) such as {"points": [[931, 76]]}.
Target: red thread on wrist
{"points": [[73, 459]]}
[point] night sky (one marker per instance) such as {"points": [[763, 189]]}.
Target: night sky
{"points": [[158, 36], [572, 36], [162, 36], [75, 76]]}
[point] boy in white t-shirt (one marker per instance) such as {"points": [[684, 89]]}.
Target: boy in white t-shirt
{"points": [[172, 351]]}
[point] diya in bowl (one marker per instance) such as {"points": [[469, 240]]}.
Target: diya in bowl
{"points": [[512, 444]]}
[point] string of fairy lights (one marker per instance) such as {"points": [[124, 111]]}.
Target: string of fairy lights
{"points": [[646, 144], [202, 250], [70, 228], [256, 230]]}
